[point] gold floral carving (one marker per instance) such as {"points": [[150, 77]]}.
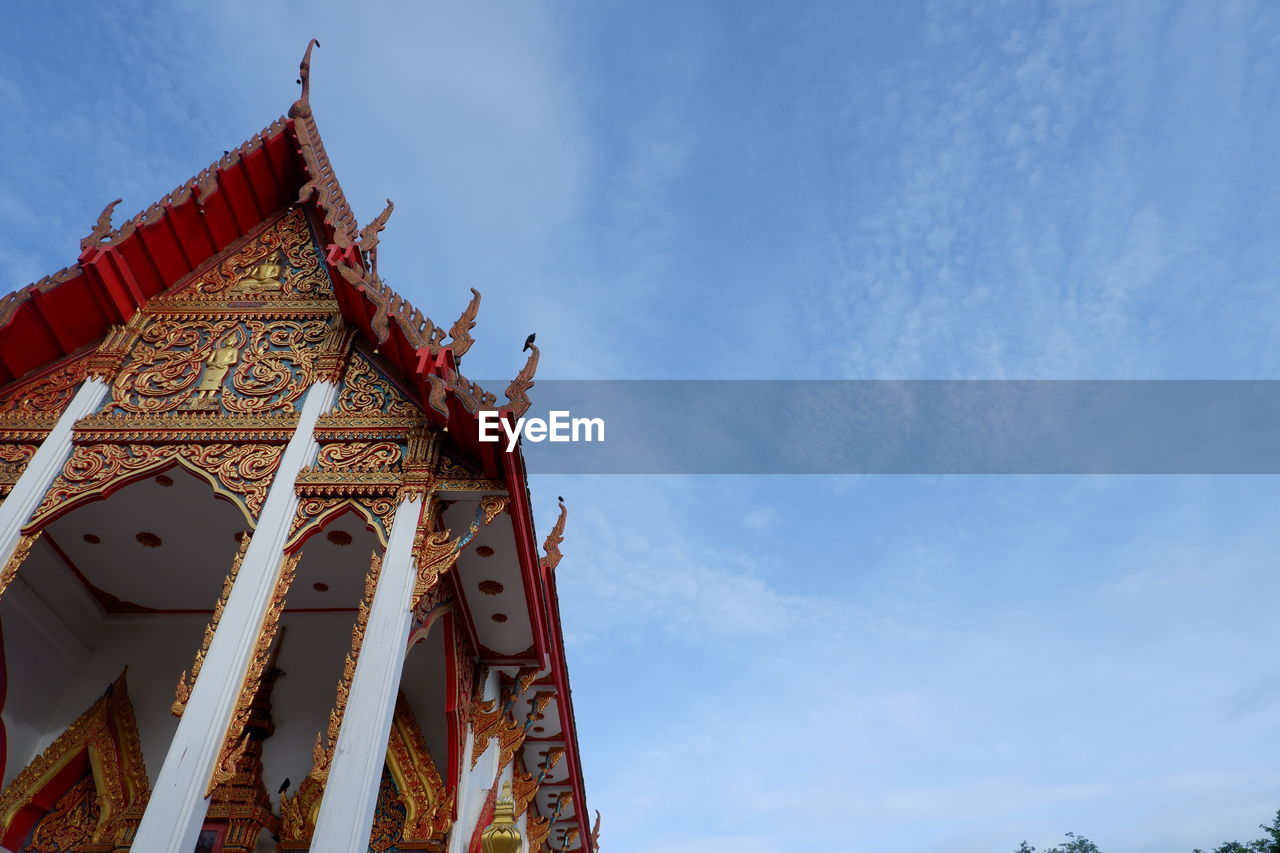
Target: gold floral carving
{"points": [[277, 427], [360, 455], [315, 512], [428, 804], [70, 824], [453, 476], [328, 481], [42, 399], [282, 255], [240, 471], [550, 759], [298, 813], [523, 789], [434, 552], [537, 829], [491, 719], [186, 682], [525, 678], [236, 739], [365, 391], [237, 365], [17, 558], [387, 833], [322, 752], [111, 353], [487, 720], [109, 732], [13, 461], [420, 463]]}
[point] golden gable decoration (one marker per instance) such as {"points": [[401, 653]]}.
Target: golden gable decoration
{"points": [[241, 472], [428, 803], [235, 365], [108, 733], [281, 262]]}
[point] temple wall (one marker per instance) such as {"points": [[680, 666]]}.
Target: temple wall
{"points": [[35, 682], [61, 652], [156, 649], [315, 645]]}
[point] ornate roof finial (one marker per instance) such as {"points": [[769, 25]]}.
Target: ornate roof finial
{"points": [[518, 390], [552, 544], [302, 106], [100, 229], [502, 836], [595, 833], [460, 332], [369, 236]]}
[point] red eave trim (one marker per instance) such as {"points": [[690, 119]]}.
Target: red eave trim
{"points": [[568, 725], [544, 613], [526, 550]]}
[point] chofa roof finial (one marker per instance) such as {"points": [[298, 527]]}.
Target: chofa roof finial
{"points": [[368, 240], [460, 339], [302, 106], [551, 545], [101, 229], [518, 390]]}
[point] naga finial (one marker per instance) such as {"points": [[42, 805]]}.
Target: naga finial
{"points": [[460, 339], [302, 107], [595, 833], [551, 546], [369, 236], [518, 390], [101, 228]]}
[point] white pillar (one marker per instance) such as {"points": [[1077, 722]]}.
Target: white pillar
{"points": [[476, 781], [351, 794], [177, 807], [44, 466]]}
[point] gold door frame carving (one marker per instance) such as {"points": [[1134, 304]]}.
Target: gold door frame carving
{"points": [[239, 472]]}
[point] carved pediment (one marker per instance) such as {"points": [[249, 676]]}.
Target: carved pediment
{"points": [[105, 739]]}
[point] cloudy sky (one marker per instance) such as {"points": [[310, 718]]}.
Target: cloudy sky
{"points": [[801, 190]]}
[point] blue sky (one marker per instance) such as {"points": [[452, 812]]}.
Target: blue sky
{"points": [[816, 190]]}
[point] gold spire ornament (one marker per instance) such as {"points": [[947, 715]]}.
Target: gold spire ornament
{"points": [[503, 836]]}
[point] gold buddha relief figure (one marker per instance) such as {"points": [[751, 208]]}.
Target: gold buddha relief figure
{"points": [[220, 360], [266, 277]]}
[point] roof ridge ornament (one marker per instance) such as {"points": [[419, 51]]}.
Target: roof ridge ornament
{"points": [[551, 545], [460, 339], [368, 240], [302, 107], [101, 229], [518, 391]]}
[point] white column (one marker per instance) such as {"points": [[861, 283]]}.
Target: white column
{"points": [[177, 807], [44, 466], [351, 794], [473, 790]]}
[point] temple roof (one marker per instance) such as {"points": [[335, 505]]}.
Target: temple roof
{"points": [[120, 268]]}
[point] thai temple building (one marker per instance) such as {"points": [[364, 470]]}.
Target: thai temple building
{"points": [[263, 588]]}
